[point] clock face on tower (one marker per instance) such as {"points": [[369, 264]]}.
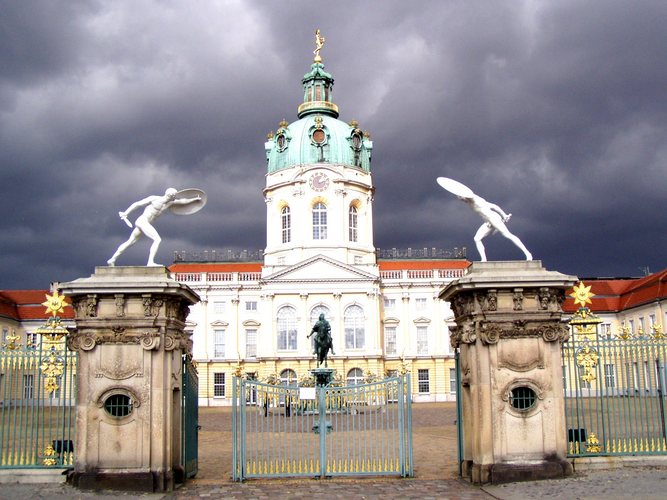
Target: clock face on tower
{"points": [[319, 181]]}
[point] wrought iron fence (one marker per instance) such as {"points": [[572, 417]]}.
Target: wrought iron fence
{"points": [[281, 430], [37, 405], [615, 394]]}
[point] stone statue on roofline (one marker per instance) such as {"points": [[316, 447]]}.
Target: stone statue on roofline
{"points": [[494, 216], [185, 202]]}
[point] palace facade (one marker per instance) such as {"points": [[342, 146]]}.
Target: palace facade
{"points": [[320, 257]]}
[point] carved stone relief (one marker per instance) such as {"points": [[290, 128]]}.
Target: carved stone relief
{"points": [[119, 299]]}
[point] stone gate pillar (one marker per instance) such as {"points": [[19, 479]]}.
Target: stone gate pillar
{"points": [[509, 334], [130, 338]]}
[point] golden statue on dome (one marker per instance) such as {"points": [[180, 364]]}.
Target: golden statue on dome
{"points": [[319, 43]]}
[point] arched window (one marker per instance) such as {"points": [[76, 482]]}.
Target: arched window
{"points": [[286, 222], [315, 316], [355, 376], [320, 221], [352, 223], [287, 329], [354, 327], [288, 377]]}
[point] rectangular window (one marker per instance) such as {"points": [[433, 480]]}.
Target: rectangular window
{"points": [[640, 325], [31, 340], [422, 340], [28, 385], [609, 376], [631, 323], [420, 304], [251, 343], [219, 344], [319, 222], [390, 340], [389, 304], [422, 381], [605, 329], [584, 384], [219, 385], [286, 220], [357, 259], [251, 305], [5, 333], [452, 380], [287, 333], [56, 393], [218, 307], [353, 224]]}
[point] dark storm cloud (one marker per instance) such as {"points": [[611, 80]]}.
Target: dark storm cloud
{"points": [[554, 110]]}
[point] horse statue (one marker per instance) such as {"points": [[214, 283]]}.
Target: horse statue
{"points": [[323, 343]]}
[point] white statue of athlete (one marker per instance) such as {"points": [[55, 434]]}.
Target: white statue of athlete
{"points": [[155, 206], [494, 216]]}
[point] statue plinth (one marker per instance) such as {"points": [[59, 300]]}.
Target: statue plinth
{"points": [[130, 339], [509, 333], [323, 376]]}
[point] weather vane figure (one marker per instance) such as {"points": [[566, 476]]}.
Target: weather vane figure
{"points": [[494, 216], [319, 43], [185, 202]]}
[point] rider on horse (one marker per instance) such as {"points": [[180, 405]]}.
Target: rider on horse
{"points": [[323, 342]]}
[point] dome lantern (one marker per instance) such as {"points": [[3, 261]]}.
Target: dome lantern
{"points": [[317, 86]]}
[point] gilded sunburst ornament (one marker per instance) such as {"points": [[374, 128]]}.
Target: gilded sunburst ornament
{"points": [[582, 294], [55, 303]]}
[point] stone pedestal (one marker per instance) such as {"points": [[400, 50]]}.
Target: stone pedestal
{"points": [[323, 376], [130, 338], [509, 334]]}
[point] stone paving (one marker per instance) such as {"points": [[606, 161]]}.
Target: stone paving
{"points": [[434, 434]]}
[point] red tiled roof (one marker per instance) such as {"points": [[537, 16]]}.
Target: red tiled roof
{"points": [[621, 294], [27, 305]]}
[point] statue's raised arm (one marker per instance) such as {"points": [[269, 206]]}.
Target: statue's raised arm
{"points": [[494, 216], [185, 202]]}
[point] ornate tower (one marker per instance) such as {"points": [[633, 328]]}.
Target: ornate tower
{"points": [[319, 191]]}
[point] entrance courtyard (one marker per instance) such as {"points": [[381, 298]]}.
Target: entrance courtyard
{"points": [[434, 442]]}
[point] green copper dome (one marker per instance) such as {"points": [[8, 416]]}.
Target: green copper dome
{"points": [[318, 136]]}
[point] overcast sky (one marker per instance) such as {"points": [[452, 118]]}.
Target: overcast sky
{"points": [[555, 110]]}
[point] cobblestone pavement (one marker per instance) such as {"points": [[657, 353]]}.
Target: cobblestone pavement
{"points": [[434, 434], [636, 483]]}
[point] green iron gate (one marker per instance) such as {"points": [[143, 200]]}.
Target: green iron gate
{"points": [[190, 418], [37, 404], [615, 393], [281, 431]]}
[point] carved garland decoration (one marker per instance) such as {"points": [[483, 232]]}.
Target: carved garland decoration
{"points": [[491, 333], [149, 340]]}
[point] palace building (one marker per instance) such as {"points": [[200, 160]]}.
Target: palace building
{"points": [[385, 316]]}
